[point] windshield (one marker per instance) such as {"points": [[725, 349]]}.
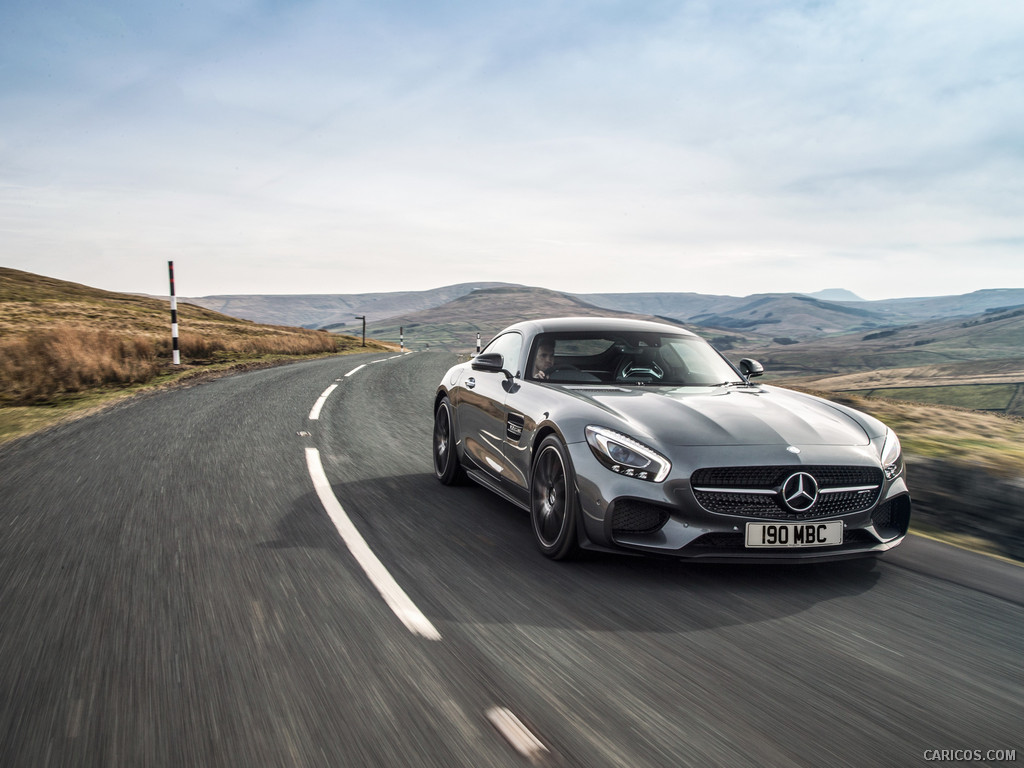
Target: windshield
{"points": [[663, 359]]}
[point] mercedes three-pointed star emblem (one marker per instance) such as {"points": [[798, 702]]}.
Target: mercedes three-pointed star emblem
{"points": [[800, 491]]}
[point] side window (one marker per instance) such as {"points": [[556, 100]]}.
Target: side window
{"points": [[508, 346]]}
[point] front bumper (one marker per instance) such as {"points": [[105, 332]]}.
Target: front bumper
{"points": [[625, 514]]}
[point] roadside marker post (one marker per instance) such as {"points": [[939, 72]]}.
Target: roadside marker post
{"points": [[478, 342], [174, 317], [401, 338], [363, 318]]}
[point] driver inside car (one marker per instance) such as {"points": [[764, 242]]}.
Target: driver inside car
{"points": [[544, 360]]}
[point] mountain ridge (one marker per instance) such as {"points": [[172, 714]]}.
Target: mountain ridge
{"points": [[790, 317]]}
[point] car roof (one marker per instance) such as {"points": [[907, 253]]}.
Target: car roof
{"points": [[612, 324]]}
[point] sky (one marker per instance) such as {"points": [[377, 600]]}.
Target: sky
{"points": [[740, 147]]}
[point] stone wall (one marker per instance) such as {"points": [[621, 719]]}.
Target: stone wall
{"points": [[960, 498]]}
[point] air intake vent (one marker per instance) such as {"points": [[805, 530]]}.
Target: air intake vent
{"points": [[630, 516]]}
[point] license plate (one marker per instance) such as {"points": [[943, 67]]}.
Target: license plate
{"points": [[827, 534]]}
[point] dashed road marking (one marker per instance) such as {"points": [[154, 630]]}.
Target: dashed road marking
{"points": [[315, 413], [517, 734], [354, 370]]}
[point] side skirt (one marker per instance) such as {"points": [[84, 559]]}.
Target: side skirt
{"points": [[486, 481]]}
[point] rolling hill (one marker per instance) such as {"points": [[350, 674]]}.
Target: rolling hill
{"points": [[990, 336], [911, 310], [488, 310], [788, 317], [795, 316], [973, 362], [30, 303], [334, 311]]}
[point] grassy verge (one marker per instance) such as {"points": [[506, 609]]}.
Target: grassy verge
{"points": [[979, 397], [961, 540]]}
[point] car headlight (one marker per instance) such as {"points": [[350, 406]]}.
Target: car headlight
{"points": [[892, 455], [626, 456]]}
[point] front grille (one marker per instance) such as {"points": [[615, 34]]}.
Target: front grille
{"points": [[734, 490], [846, 502], [630, 516], [739, 504]]}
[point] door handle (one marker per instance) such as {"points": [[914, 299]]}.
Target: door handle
{"points": [[470, 383]]}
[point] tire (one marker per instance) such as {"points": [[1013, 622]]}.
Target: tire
{"points": [[553, 502], [446, 458]]}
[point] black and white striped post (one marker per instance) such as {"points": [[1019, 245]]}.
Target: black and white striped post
{"points": [[478, 342], [401, 338], [174, 317]]}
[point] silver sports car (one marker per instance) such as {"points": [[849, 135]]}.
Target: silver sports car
{"points": [[625, 435]]}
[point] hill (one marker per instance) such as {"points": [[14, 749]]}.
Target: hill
{"points": [[30, 303], [990, 336], [782, 315], [896, 311], [487, 311], [333, 311], [788, 317], [974, 362], [835, 294]]}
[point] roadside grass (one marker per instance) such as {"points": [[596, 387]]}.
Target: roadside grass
{"points": [[979, 397], [20, 420], [47, 365], [961, 540]]}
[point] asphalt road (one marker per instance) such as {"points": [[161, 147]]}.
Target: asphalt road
{"points": [[173, 591]]}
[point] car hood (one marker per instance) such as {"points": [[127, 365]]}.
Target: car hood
{"points": [[728, 416]]}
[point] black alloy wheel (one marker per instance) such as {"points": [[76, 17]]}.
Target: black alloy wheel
{"points": [[446, 460], [553, 500]]}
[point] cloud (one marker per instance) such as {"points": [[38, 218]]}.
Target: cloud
{"points": [[726, 148]]}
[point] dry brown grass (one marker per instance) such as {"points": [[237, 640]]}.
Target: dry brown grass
{"points": [[39, 366], [293, 342]]}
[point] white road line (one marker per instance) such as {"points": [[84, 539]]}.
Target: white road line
{"points": [[393, 595], [315, 413], [516, 734], [354, 370]]}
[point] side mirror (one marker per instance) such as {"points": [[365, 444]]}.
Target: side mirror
{"points": [[490, 362], [750, 368]]}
